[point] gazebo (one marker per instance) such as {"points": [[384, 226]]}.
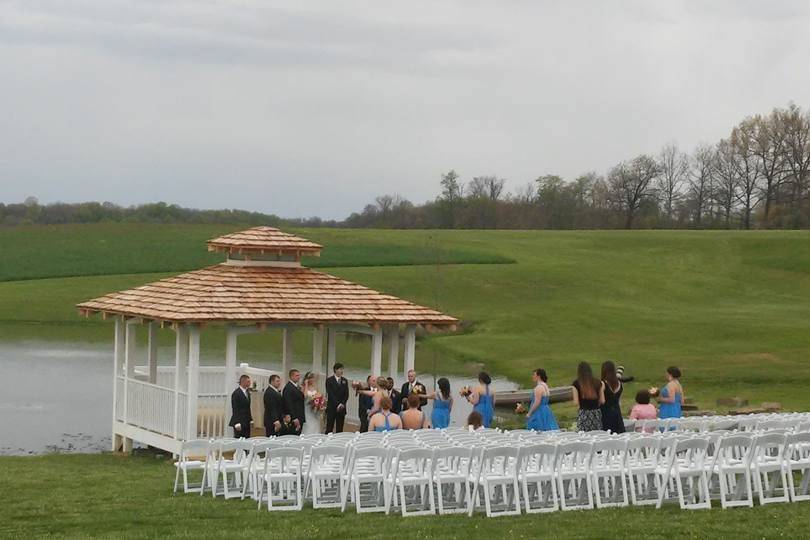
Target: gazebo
{"points": [[261, 285]]}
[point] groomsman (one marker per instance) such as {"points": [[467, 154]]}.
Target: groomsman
{"points": [[240, 405], [337, 394], [396, 399], [273, 407], [293, 399], [407, 389], [364, 404]]}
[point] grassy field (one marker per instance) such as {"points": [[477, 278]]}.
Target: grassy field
{"points": [[114, 496]]}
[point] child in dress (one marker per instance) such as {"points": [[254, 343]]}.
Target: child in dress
{"points": [[643, 410]]}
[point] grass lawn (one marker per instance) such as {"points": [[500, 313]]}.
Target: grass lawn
{"points": [[114, 496]]}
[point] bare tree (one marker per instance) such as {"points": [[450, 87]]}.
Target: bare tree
{"points": [[674, 169], [526, 194], [725, 170], [630, 184], [700, 180], [486, 187], [796, 125], [452, 190], [747, 166], [768, 145]]}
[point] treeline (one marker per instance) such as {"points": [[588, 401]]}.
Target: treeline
{"points": [[31, 212], [757, 177]]}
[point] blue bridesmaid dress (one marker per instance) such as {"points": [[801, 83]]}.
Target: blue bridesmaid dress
{"points": [[670, 410], [484, 407], [542, 419], [440, 417]]}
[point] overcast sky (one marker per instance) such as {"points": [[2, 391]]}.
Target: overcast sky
{"points": [[313, 108]]}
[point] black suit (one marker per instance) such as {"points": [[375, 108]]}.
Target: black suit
{"points": [[293, 399], [337, 393], [240, 405], [396, 401], [406, 390], [273, 411], [364, 404]]}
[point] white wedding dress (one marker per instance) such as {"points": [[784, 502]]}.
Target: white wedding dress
{"points": [[312, 419]]}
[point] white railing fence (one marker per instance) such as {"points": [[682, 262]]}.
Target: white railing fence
{"points": [[150, 406]]}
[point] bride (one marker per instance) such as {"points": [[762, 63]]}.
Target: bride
{"points": [[312, 419]]}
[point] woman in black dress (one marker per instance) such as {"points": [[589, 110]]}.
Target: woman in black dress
{"points": [[611, 410], [589, 395]]}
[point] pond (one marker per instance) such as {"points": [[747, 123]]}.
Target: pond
{"points": [[57, 397]]}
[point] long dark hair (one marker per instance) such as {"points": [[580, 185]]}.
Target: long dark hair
{"points": [[609, 374], [484, 378], [588, 384], [444, 387], [540, 372]]}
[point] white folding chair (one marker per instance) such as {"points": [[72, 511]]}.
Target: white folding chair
{"points": [[192, 457], [497, 468], [732, 465], [797, 457], [574, 475], [281, 479], [325, 476], [536, 475], [367, 475], [232, 467], [451, 473], [411, 483], [642, 461], [770, 470], [608, 479], [254, 465], [687, 466]]}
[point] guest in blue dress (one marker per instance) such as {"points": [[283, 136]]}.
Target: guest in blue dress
{"points": [[482, 399], [442, 405], [671, 397], [540, 417]]}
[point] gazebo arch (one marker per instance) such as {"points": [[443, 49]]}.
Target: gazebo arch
{"points": [[261, 285]]}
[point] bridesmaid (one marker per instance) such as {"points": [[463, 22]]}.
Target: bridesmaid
{"points": [[481, 399], [442, 404], [611, 409], [589, 395], [540, 417], [671, 397]]}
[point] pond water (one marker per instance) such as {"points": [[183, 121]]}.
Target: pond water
{"points": [[57, 397]]}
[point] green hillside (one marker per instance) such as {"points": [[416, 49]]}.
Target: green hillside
{"points": [[732, 309]]}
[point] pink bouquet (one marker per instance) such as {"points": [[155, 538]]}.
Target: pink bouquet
{"points": [[318, 403]]}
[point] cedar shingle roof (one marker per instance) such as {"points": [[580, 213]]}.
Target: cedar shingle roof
{"points": [[268, 294], [268, 239]]}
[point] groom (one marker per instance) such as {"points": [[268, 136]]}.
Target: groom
{"points": [[293, 399], [337, 394]]}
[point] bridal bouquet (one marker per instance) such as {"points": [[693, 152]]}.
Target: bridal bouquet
{"points": [[419, 389], [465, 391], [520, 408], [317, 402], [654, 391]]}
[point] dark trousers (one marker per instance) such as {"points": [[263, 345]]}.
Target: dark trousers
{"points": [[335, 420], [363, 422]]}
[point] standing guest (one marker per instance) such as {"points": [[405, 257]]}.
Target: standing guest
{"points": [[396, 397], [376, 394], [540, 417], [474, 421], [589, 395], [412, 417], [364, 404], [611, 409], [643, 409], [442, 404], [273, 407], [671, 398], [241, 417], [337, 394], [411, 386], [385, 420], [482, 399], [294, 402]]}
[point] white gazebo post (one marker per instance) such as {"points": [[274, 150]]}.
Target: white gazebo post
{"points": [[180, 376], [331, 348], [410, 347], [376, 351], [317, 350], [193, 380], [118, 365], [151, 351], [286, 352], [129, 374], [393, 351], [231, 335]]}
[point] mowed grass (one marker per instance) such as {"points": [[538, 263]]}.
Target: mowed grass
{"points": [[732, 309], [116, 496], [129, 248]]}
